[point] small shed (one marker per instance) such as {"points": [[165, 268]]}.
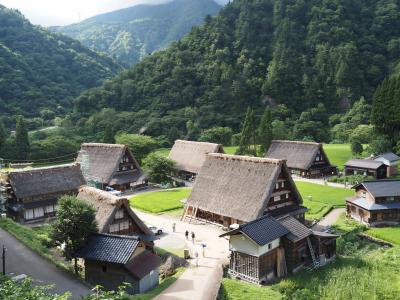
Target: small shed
{"points": [[366, 167], [111, 260], [390, 160], [190, 156], [111, 165]]}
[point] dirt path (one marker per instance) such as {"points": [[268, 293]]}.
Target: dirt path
{"points": [[330, 218], [322, 182], [197, 282]]}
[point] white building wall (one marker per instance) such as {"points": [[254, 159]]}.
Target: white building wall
{"points": [[243, 244]]}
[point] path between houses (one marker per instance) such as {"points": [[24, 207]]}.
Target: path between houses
{"points": [[200, 282], [321, 182], [330, 219], [22, 260]]}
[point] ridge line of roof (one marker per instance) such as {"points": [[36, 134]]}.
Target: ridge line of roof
{"points": [[103, 145], [247, 158], [297, 142], [59, 167], [196, 142]]}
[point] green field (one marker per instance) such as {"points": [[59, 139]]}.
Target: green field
{"points": [[159, 202], [390, 234], [320, 198], [163, 151], [239, 290]]}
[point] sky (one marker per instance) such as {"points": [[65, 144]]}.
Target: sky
{"points": [[64, 12]]}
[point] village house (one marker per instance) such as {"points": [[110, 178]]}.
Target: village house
{"points": [[366, 167], [305, 159], [190, 156], [32, 195], [111, 260], [375, 203], [114, 214], [110, 165], [390, 160], [231, 189], [269, 248]]}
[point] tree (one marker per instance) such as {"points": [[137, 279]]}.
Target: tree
{"points": [[356, 148], [74, 224], [109, 137], [379, 144], [140, 145], [3, 135], [265, 134], [248, 135], [158, 168], [21, 139], [219, 135]]}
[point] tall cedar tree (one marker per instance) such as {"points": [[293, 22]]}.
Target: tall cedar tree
{"points": [[3, 135], [22, 144], [109, 137], [74, 224], [248, 136], [385, 108], [265, 135]]}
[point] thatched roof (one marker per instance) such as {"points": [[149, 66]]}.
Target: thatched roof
{"points": [[298, 155], [104, 161], [190, 156], [106, 206], [43, 181], [237, 186]]}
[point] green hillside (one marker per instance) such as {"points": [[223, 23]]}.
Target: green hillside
{"points": [[41, 70], [314, 57], [130, 34]]}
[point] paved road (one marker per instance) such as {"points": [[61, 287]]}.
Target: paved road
{"points": [[197, 282], [329, 219], [22, 260]]}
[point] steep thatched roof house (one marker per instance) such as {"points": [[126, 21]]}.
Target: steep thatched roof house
{"points": [[113, 214], [233, 189], [268, 248], [111, 260], [190, 156], [110, 165], [305, 159], [33, 194]]}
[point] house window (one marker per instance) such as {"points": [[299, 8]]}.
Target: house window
{"points": [[282, 184], [287, 196], [277, 186], [38, 212], [50, 209], [124, 225], [29, 214], [364, 194], [391, 198], [119, 214], [277, 198], [269, 246], [104, 268], [114, 228]]}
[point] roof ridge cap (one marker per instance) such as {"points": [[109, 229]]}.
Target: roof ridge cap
{"points": [[297, 142], [247, 158]]}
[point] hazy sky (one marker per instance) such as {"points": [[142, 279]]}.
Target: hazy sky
{"points": [[62, 12]]}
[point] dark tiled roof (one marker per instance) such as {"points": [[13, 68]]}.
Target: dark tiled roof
{"points": [[298, 231], [109, 248], [364, 164], [382, 188], [143, 264], [263, 230], [390, 156]]}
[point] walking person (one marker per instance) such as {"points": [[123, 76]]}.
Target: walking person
{"points": [[173, 227], [187, 234], [196, 255], [193, 236]]}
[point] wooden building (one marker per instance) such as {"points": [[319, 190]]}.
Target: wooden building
{"points": [[110, 165], [366, 167], [376, 203], [113, 214], [190, 156], [111, 260], [32, 195], [269, 248], [305, 159], [390, 160], [232, 189]]}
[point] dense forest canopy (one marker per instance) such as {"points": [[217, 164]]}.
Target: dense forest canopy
{"points": [[40, 70], [130, 34], [312, 58]]}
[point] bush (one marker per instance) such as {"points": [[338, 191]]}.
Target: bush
{"points": [[356, 148], [219, 135], [158, 168], [140, 145]]}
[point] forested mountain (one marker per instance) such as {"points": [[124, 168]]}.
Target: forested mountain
{"points": [[130, 34], [316, 57], [40, 70]]}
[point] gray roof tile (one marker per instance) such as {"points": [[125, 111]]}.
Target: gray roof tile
{"points": [[109, 248], [298, 231], [382, 188]]}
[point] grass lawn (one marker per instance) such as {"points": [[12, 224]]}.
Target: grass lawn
{"points": [[345, 225], [159, 202], [230, 149], [390, 234], [163, 151], [239, 290], [320, 198], [338, 154]]}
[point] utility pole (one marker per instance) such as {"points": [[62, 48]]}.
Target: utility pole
{"points": [[3, 256]]}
